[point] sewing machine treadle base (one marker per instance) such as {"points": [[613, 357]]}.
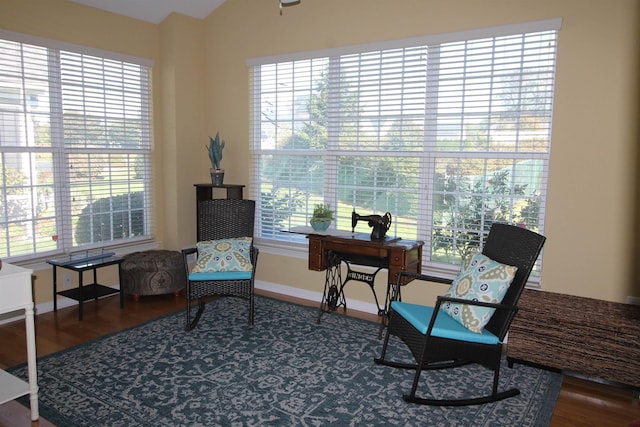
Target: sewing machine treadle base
{"points": [[327, 252], [333, 295]]}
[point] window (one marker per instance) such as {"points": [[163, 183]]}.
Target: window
{"points": [[449, 134], [75, 149]]}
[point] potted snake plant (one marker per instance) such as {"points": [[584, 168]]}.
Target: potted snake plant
{"points": [[215, 156]]}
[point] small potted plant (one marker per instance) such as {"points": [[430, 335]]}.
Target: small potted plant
{"points": [[215, 156], [322, 217]]}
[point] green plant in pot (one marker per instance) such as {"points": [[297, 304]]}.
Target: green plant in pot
{"points": [[215, 156], [322, 217]]}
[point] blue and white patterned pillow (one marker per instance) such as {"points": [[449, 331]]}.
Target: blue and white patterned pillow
{"points": [[224, 255], [481, 279]]}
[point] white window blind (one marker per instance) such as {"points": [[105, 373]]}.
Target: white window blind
{"points": [[74, 150], [448, 136]]}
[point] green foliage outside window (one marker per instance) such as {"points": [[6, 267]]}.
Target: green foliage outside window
{"points": [[12, 204], [108, 219], [464, 211], [276, 207]]}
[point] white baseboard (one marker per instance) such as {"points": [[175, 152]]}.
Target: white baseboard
{"points": [[276, 288], [312, 296]]}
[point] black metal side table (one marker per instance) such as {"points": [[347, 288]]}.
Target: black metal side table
{"points": [[90, 291]]}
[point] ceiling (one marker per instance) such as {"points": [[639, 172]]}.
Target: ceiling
{"points": [[155, 11]]}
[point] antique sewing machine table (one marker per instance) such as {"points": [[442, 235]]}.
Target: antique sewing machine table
{"points": [[326, 252]]}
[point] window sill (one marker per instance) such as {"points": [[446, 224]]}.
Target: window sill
{"points": [[288, 249]]}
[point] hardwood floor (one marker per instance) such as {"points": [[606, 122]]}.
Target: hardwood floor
{"points": [[581, 402]]}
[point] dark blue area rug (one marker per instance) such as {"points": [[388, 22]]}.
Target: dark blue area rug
{"points": [[286, 371]]}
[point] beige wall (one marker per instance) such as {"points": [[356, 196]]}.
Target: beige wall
{"points": [[182, 80], [201, 86]]}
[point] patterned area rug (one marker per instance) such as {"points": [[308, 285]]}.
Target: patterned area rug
{"points": [[286, 371]]}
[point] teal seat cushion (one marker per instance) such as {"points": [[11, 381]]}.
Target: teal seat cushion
{"points": [[220, 275], [445, 327]]}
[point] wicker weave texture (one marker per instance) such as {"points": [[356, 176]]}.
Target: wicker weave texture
{"points": [[238, 288], [512, 246], [221, 219], [225, 218], [583, 335], [400, 327]]}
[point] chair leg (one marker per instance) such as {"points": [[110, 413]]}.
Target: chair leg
{"points": [[416, 378], [192, 324], [187, 307], [251, 311], [461, 402], [422, 365], [380, 360], [493, 397]]}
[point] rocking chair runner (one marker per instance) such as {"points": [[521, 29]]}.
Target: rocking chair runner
{"points": [[437, 341], [231, 220]]}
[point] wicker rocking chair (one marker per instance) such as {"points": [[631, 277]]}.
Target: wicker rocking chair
{"points": [[227, 222], [437, 341]]}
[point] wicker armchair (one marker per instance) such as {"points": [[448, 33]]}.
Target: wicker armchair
{"points": [[437, 341], [221, 219]]}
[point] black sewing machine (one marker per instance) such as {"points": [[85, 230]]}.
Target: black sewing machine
{"points": [[379, 223]]}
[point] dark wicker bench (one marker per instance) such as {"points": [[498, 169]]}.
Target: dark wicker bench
{"points": [[575, 334]]}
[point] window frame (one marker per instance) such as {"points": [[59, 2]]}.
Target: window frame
{"points": [[60, 151], [427, 160]]}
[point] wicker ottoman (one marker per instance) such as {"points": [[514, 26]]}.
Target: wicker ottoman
{"points": [[152, 273]]}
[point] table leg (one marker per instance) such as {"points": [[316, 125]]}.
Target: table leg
{"points": [[393, 292], [81, 295], [332, 297], [95, 280], [120, 285], [384, 322], [31, 362], [55, 289]]}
